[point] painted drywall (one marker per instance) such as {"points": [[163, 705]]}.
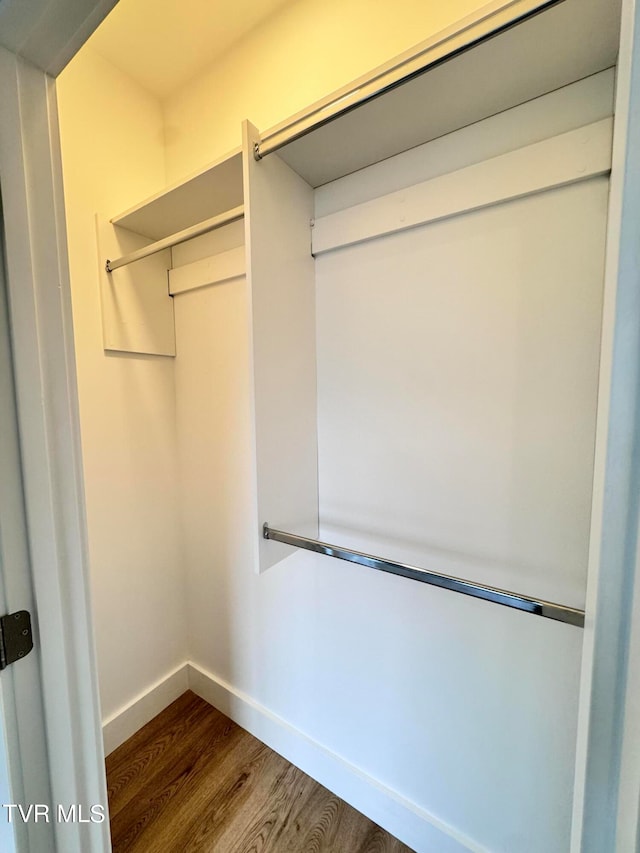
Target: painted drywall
{"points": [[299, 639], [443, 700], [358, 663], [119, 146], [448, 383], [304, 52], [113, 155], [188, 36]]}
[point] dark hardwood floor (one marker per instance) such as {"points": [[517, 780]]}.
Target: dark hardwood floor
{"points": [[193, 781]]}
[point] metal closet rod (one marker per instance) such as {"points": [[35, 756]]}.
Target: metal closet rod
{"points": [[390, 77], [539, 607], [175, 239]]}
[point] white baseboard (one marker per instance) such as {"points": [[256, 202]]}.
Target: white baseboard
{"points": [[127, 720], [411, 824]]}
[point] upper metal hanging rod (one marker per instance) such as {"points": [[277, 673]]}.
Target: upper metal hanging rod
{"points": [[489, 21], [539, 607], [181, 237]]}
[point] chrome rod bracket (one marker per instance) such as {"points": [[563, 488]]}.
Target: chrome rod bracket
{"points": [[256, 151], [538, 607], [107, 266]]}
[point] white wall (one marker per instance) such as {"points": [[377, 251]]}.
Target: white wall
{"points": [[113, 155], [468, 711], [457, 396], [364, 673], [119, 146], [457, 388]]}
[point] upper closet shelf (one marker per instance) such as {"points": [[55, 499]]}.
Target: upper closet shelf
{"points": [[521, 50], [212, 191]]}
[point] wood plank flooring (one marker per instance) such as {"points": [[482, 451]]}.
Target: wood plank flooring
{"points": [[193, 781]]}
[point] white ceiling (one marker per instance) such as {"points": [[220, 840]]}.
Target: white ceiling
{"points": [[164, 44]]}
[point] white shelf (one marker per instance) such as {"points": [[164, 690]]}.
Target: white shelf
{"points": [[212, 191], [556, 47]]}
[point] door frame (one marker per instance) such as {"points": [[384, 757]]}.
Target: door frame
{"points": [[23, 747], [48, 425], [607, 778]]}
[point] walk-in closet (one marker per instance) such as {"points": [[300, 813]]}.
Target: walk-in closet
{"points": [[343, 304]]}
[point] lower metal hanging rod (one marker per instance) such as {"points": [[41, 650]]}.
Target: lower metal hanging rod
{"points": [[538, 607], [175, 239]]}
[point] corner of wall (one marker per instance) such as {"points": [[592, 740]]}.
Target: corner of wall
{"points": [[113, 153]]}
